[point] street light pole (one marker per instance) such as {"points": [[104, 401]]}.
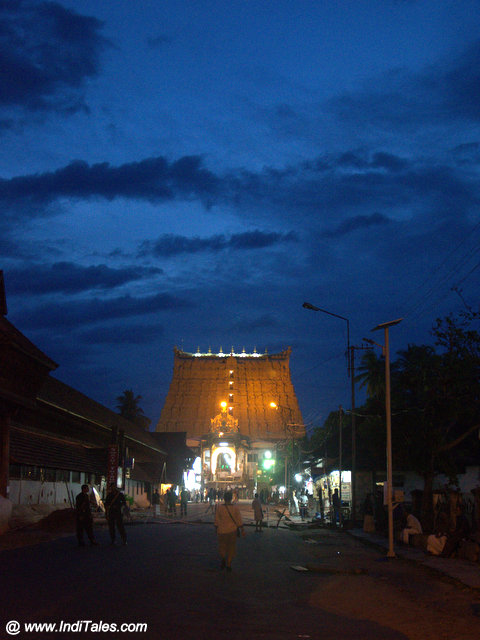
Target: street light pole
{"points": [[354, 436], [350, 373], [340, 461], [288, 436], [385, 326], [307, 305]]}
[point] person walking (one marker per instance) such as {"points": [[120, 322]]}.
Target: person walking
{"points": [[257, 513], [184, 497], [156, 503], [114, 504], [172, 502], [303, 503], [211, 501], [84, 516], [337, 506], [229, 525]]}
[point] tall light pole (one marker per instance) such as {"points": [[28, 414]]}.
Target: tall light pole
{"points": [[288, 432], [307, 305], [388, 410], [350, 359]]}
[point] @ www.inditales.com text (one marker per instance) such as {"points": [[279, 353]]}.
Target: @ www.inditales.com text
{"points": [[14, 628]]}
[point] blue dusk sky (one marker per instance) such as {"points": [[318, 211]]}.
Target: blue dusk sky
{"points": [[188, 173]]}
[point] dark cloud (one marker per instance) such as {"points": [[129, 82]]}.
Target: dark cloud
{"points": [[356, 223], [153, 179], [467, 153], [336, 187], [388, 161], [351, 159], [66, 277], [249, 325], [6, 124], [460, 84], [47, 52], [126, 334], [170, 245], [259, 240], [9, 248], [81, 313], [157, 42], [379, 160], [446, 91]]}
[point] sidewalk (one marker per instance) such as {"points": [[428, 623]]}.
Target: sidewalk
{"points": [[468, 573]]}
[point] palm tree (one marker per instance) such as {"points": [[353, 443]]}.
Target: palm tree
{"points": [[372, 374], [128, 407]]}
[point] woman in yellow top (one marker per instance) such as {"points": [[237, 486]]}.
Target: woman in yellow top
{"points": [[227, 521]]}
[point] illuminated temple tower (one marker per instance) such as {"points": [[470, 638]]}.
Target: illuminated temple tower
{"points": [[237, 409]]}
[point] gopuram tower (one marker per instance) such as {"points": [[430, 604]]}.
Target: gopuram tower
{"points": [[238, 410]]}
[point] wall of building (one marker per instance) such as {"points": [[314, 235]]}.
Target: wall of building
{"points": [[63, 494], [138, 491], [30, 492]]}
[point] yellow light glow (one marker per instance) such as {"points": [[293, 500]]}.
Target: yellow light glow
{"points": [[223, 404], [273, 405]]}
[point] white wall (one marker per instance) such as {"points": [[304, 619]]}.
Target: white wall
{"points": [[28, 492], [138, 492]]}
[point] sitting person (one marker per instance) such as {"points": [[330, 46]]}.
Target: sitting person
{"points": [[436, 541], [461, 532], [412, 526]]}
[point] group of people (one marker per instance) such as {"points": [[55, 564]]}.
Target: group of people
{"points": [[446, 538], [228, 519], [115, 504]]}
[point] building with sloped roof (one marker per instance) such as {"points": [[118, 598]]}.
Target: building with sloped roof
{"points": [[53, 438]]}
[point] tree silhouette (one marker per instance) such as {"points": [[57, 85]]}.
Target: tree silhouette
{"points": [[129, 408], [435, 399]]}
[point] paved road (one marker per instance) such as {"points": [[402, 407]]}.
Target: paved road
{"points": [[169, 578]]}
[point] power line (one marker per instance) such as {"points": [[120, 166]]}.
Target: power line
{"points": [[432, 286]]}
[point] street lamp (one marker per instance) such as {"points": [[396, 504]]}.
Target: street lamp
{"points": [[307, 305], [274, 405], [350, 359], [385, 326]]}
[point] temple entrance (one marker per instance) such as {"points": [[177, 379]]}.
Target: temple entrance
{"points": [[224, 462]]}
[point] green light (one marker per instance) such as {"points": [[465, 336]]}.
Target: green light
{"points": [[268, 464]]}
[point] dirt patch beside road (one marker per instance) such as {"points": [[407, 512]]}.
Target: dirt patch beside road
{"points": [[358, 582], [374, 599]]}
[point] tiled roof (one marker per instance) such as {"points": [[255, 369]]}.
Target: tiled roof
{"points": [[147, 472], [46, 451], [63, 397], [11, 335]]}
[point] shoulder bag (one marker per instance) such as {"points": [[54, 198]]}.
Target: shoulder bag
{"points": [[238, 528]]}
